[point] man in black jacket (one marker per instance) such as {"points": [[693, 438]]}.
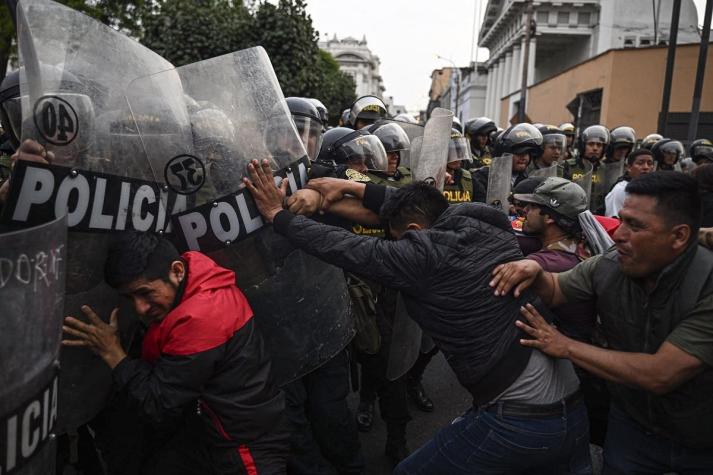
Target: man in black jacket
{"points": [[204, 372], [528, 413]]}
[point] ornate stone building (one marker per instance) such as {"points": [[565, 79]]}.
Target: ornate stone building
{"points": [[356, 59]]}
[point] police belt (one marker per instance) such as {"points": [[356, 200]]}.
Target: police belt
{"points": [[519, 409]]}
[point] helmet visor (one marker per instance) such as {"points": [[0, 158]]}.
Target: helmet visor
{"points": [[367, 148], [458, 149], [672, 151], [554, 146], [703, 151], [310, 132], [13, 109]]}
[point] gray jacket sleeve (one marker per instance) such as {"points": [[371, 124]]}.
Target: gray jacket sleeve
{"points": [[402, 265]]}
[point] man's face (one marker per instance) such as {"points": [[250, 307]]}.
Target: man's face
{"points": [[593, 150], [644, 239], [358, 164], [570, 140], [551, 154], [393, 162], [520, 162], [670, 158], [153, 299], [643, 164], [482, 141], [534, 221], [361, 123]]}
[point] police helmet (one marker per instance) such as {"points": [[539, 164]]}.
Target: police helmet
{"points": [[593, 133], [341, 145], [554, 139], [322, 109], [479, 126], [393, 138], [458, 148], [520, 139], [650, 140], [667, 152], [457, 124], [701, 150], [344, 118], [308, 123], [368, 109], [567, 129], [621, 137]]}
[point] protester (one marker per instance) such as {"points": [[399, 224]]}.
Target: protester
{"points": [[203, 368], [654, 294], [438, 260], [637, 163]]}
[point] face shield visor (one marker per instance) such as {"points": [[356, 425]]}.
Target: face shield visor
{"points": [[703, 152], [554, 147], [671, 152], [310, 132], [366, 148], [459, 150]]}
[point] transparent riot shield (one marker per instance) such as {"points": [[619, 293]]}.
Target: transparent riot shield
{"points": [[546, 172], [500, 182], [611, 173], [235, 110], [73, 75], [32, 273], [585, 179], [430, 163], [413, 131]]}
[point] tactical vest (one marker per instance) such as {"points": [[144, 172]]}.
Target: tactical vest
{"points": [[462, 190], [402, 177], [635, 320]]}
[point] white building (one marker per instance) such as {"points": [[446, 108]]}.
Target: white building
{"points": [[356, 59], [567, 33]]}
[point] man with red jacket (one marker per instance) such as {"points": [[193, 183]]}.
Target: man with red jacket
{"points": [[204, 370]]}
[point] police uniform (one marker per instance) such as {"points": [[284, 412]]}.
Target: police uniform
{"points": [[461, 191], [576, 170]]}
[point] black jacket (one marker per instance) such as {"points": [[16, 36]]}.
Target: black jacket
{"points": [[206, 357], [443, 273]]}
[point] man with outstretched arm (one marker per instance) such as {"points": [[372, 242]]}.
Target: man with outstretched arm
{"points": [[440, 259], [654, 296]]}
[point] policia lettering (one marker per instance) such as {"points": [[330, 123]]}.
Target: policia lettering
{"points": [[27, 429], [462, 190]]}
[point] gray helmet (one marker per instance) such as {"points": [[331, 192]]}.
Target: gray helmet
{"points": [[322, 109], [650, 140], [597, 133], [457, 125], [621, 137]]}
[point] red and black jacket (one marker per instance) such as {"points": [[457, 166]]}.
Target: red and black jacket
{"points": [[206, 353]]}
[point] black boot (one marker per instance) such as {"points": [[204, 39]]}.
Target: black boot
{"points": [[396, 449], [365, 416], [418, 396]]}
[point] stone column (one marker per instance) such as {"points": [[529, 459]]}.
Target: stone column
{"points": [[516, 75], [488, 91]]}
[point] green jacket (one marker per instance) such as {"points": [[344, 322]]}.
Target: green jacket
{"points": [[679, 310], [462, 190]]}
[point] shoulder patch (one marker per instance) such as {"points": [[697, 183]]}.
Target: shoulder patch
{"points": [[354, 175]]}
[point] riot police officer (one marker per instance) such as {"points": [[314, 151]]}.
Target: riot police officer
{"points": [[460, 189], [397, 146], [667, 154], [524, 143], [365, 111], [323, 112], [569, 131], [344, 118], [621, 144], [554, 145], [591, 145], [701, 151], [479, 131], [650, 140]]}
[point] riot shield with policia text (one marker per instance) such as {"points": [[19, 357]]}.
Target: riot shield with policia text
{"points": [[73, 74], [583, 177], [32, 274], [236, 112]]}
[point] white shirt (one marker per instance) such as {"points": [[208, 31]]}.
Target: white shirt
{"points": [[614, 201]]}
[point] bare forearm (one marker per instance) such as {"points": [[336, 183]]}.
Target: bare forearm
{"points": [[548, 289], [353, 210]]}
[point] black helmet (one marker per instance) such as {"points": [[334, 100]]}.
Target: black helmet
{"points": [[701, 149], [344, 118], [308, 123], [457, 125], [393, 138], [341, 145], [667, 148], [621, 137], [520, 139], [479, 126], [367, 108], [650, 140], [322, 109], [458, 148], [553, 138], [593, 133], [10, 107]]}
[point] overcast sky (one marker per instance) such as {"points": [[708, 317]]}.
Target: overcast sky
{"points": [[407, 35]]}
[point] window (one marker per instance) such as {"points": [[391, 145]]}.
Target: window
{"points": [[629, 42], [543, 16], [645, 42], [562, 18], [583, 18]]}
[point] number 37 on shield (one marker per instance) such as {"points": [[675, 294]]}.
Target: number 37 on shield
{"points": [[56, 120]]}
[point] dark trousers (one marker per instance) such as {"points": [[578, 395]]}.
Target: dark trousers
{"points": [[322, 426], [188, 454], [631, 449], [486, 442], [416, 372], [596, 398]]}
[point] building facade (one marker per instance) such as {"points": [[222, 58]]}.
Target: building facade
{"points": [[567, 33], [356, 59]]}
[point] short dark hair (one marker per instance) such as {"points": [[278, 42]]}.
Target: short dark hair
{"points": [[569, 226], [704, 175], [133, 255], [677, 198], [631, 158], [417, 202]]}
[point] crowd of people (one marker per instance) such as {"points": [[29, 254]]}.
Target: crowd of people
{"points": [[564, 273]]}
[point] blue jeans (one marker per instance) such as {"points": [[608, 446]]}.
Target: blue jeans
{"points": [[631, 449], [487, 442]]}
